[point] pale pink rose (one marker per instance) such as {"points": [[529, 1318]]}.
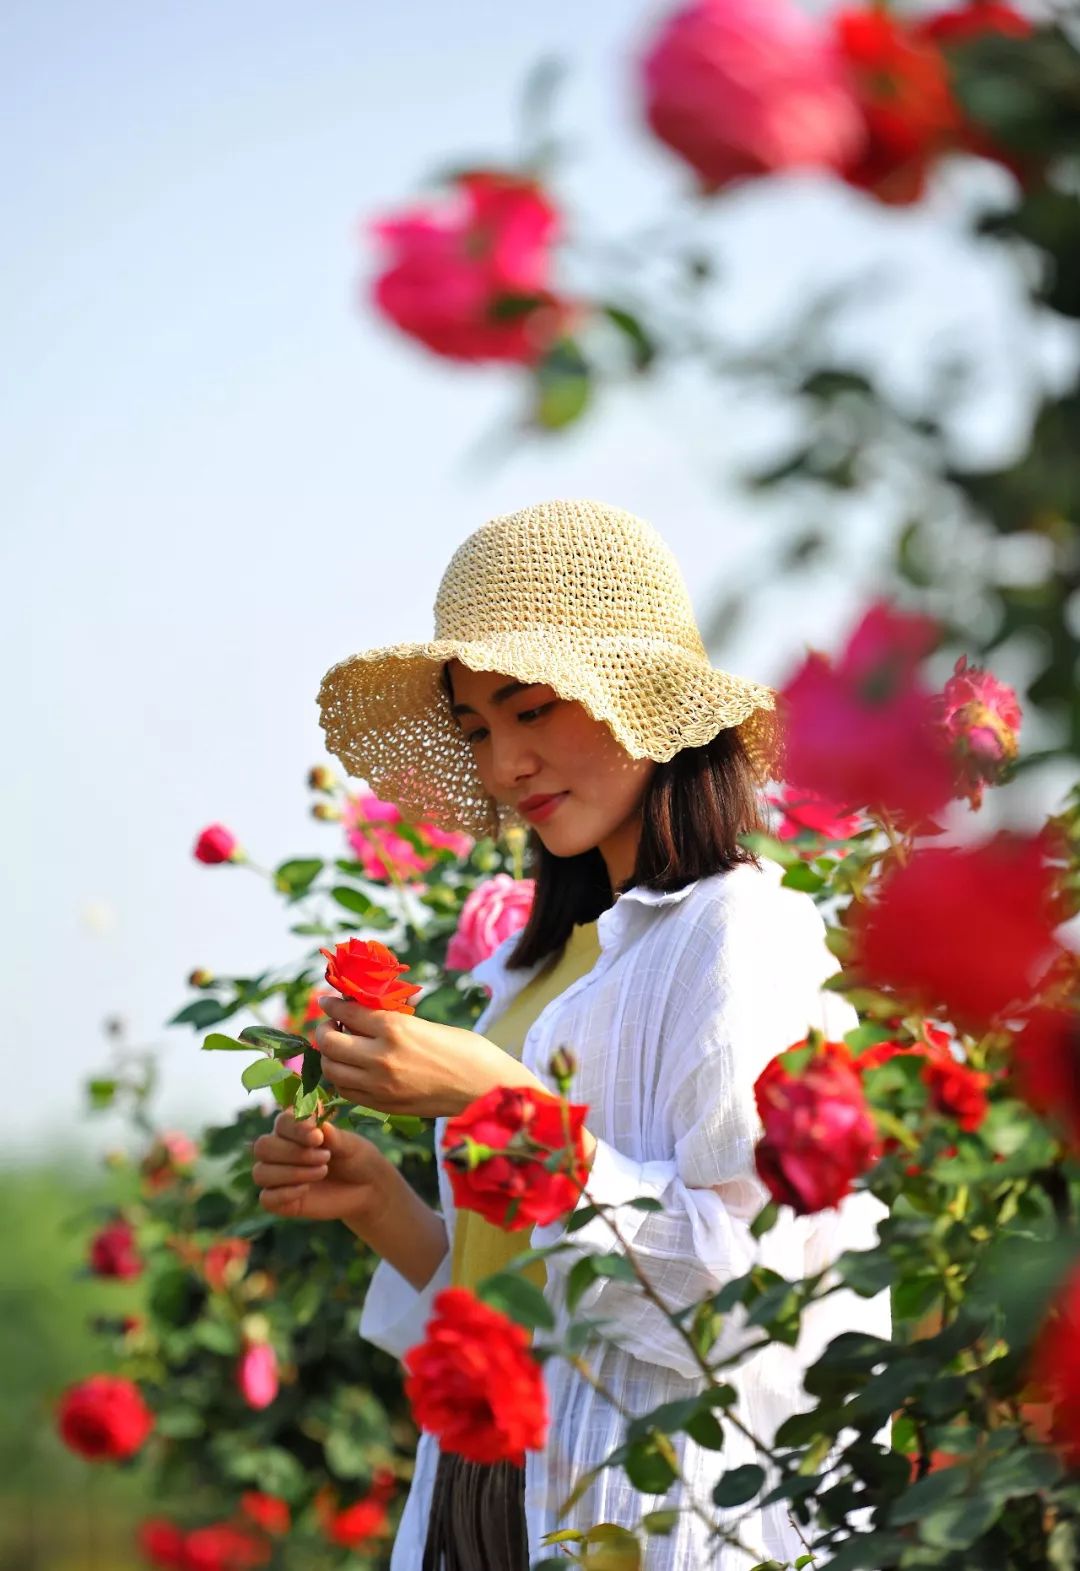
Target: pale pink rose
{"points": [[980, 717], [257, 1374], [739, 88], [495, 909]]}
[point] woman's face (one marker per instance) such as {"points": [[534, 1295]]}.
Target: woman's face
{"points": [[530, 742]]}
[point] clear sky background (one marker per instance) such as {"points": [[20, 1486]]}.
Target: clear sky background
{"points": [[220, 473]]}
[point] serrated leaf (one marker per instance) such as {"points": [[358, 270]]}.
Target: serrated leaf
{"points": [[263, 1072]]}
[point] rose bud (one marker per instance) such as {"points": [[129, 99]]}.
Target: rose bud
{"points": [[562, 1066], [218, 844], [321, 778], [201, 977], [326, 811]]}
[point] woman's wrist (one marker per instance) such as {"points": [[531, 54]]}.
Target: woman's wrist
{"points": [[402, 1228]]}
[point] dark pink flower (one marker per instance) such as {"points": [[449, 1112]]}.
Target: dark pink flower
{"points": [[470, 279], [218, 844], [862, 731], [980, 718], [804, 810], [819, 1134], [113, 1251]]}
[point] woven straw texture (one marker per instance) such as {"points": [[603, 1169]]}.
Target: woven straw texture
{"points": [[586, 597]]}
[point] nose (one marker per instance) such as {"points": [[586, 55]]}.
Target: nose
{"points": [[513, 764]]}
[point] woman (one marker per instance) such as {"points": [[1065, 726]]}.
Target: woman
{"points": [[567, 688]]}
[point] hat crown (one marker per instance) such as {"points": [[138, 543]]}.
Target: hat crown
{"points": [[578, 566]]}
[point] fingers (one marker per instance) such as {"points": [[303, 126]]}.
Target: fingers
{"points": [[302, 1132], [345, 1076], [285, 1201], [275, 1148], [353, 1016], [277, 1175], [346, 1045]]}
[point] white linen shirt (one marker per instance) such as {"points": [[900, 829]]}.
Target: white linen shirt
{"points": [[693, 993]]}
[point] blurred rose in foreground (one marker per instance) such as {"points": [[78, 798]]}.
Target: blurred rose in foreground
{"points": [[740, 88]]}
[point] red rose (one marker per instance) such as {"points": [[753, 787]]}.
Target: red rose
{"points": [[901, 80], [104, 1418], [470, 279], [804, 810], [266, 1511], [958, 26], [223, 1547], [970, 929], [956, 1089], [162, 1544], [474, 1383], [740, 89], [863, 731], [1055, 1368], [1046, 1067], [515, 1193], [365, 970], [218, 844], [257, 1374], [224, 1261], [113, 1252], [819, 1135]]}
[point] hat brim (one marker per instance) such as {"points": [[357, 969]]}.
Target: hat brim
{"points": [[386, 716]]}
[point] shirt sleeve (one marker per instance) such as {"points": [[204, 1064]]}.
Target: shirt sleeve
{"points": [[746, 987], [395, 1313]]}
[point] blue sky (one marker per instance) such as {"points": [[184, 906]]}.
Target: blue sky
{"points": [[220, 473]]}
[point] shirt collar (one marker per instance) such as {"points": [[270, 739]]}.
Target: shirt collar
{"points": [[491, 973]]}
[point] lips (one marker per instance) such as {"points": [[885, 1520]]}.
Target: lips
{"points": [[532, 802]]}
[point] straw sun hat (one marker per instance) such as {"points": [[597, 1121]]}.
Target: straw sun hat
{"points": [[585, 597]]}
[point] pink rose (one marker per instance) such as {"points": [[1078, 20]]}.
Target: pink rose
{"points": [[373, 842], [738, 89], [495, 909], [217, 844], [257, 1374], [809, 810], [446, 839], [470, 279], [980, 718]]}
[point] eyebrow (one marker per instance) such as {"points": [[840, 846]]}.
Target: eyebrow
{"points": [[499, 696]]}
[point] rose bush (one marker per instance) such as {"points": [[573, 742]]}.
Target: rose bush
{"points": [[956, 1101]]}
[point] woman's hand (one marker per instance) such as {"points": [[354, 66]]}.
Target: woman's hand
{"points": [[398, 1063], [319, 1171]]}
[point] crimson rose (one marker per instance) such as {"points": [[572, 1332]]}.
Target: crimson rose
{"points": [[517, 1190]]}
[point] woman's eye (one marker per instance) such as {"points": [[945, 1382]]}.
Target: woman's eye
{"points": [[526, 714]]}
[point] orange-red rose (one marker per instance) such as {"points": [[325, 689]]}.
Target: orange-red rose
{"points": [[819, 1134], [104, 1418], [368, 972], [474, 1383], [266, 1511], [366, 1519], [516, 1189]]}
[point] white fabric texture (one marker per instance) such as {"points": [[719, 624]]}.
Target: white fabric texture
{"points": [[693, 993]]}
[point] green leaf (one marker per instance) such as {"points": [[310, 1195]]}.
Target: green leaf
{"points": [[306, 1103], [202, 1013], [216, 1043], [358, 903], [101, 1092], [282, 1043], [801, 876], [645, 1203], [643, 346], [739, 1485], [562, 386], [286, 1091], [660, 1522], [647, 1468], [765, 1219], [311, 1073], [519, 1298], [960, 1522], [296, 877], [263, 1072]]}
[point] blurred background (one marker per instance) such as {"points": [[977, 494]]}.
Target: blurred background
{"points": [[222, 472]]}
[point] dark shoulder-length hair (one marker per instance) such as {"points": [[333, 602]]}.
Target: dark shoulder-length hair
{"points": [[694, 810]]}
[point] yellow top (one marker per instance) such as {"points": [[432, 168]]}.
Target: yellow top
{"points": [[481, 1248]]}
